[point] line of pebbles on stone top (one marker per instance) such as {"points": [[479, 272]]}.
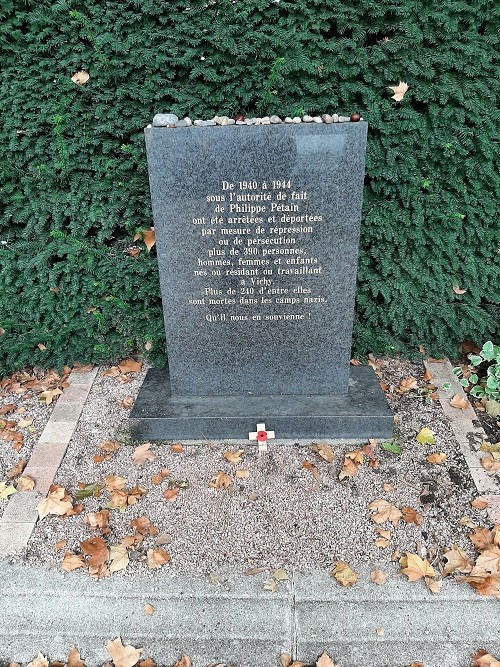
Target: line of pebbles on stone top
{"points": [[171, 120]]}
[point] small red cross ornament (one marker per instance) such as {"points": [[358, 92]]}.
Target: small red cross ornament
{"points": [[262, 436]]}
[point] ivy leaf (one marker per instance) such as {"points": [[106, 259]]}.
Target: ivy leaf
{"points": [[391, 447]]}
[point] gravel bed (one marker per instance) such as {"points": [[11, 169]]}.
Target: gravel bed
{"points": [[279, 516]]}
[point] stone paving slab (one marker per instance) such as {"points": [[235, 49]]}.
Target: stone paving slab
{"points": [[240, 623]]}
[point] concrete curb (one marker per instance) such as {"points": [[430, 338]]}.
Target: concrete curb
{"points": [[20, 515], [237, 622]]}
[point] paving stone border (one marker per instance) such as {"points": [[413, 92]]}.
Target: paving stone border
{"points": [[20, 515], [466, 427]]}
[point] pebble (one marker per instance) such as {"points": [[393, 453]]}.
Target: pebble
{"points": [[296, 119], [307, 119], [327, 118], [240, 122], [164, 119], [199, 123], [210, 122], [343, 119], [231, 121], [257, 121], [288, 120], [317, 119], [221, 120], [250, 121], [181, 123], [335, 118], [275, 119], [266, 121], [188, 121]]}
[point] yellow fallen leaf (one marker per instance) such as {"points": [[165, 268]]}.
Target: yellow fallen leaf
{"points": [[426, 437], [415, 567]]}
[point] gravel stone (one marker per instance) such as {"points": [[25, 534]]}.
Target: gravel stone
{"points": [[164, 119]]}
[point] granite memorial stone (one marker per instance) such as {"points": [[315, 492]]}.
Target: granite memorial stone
{"points": [[257, 231]]}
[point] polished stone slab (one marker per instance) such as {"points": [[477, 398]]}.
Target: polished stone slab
{"points": [[361, 413]]}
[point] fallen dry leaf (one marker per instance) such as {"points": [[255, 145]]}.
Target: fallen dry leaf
{"points": [[177, 448], [407, 384], [270, 585], [482, 538], [234, 457], [344, 574], [57, 502], [324, 451], [49, 395], [185, 661], [410, 515], [127, 402], [457, 290], [25, 483], [285, 659], [142, 454], [489, 463], [457, 561], [80, 77], [384, 511], [96, 550], [72, 561], [242, 474], [388, 487], [157, 557], [459, 402], [17, 469], [119, 558], [415, 567], [324, 660], [74, 658], [309, 465], [171, 494], [221, 479], [378, 577], [149, 609], [436, 458], [480, 503], [399, 91], [489, 586], [352, 462], [485, 659], [60, 545], [123, 656], [255, 570], [434, 585], [130, 366], [99, 520], [148, 236], [39, 661]]}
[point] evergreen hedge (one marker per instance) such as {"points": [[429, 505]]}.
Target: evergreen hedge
{"points": [[74, 186]]}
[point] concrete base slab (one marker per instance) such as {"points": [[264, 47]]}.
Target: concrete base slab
{"points": [[363, 413], [237, 622]]}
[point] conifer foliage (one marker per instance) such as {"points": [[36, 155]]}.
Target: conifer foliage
{"points": [[73, 173]]}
